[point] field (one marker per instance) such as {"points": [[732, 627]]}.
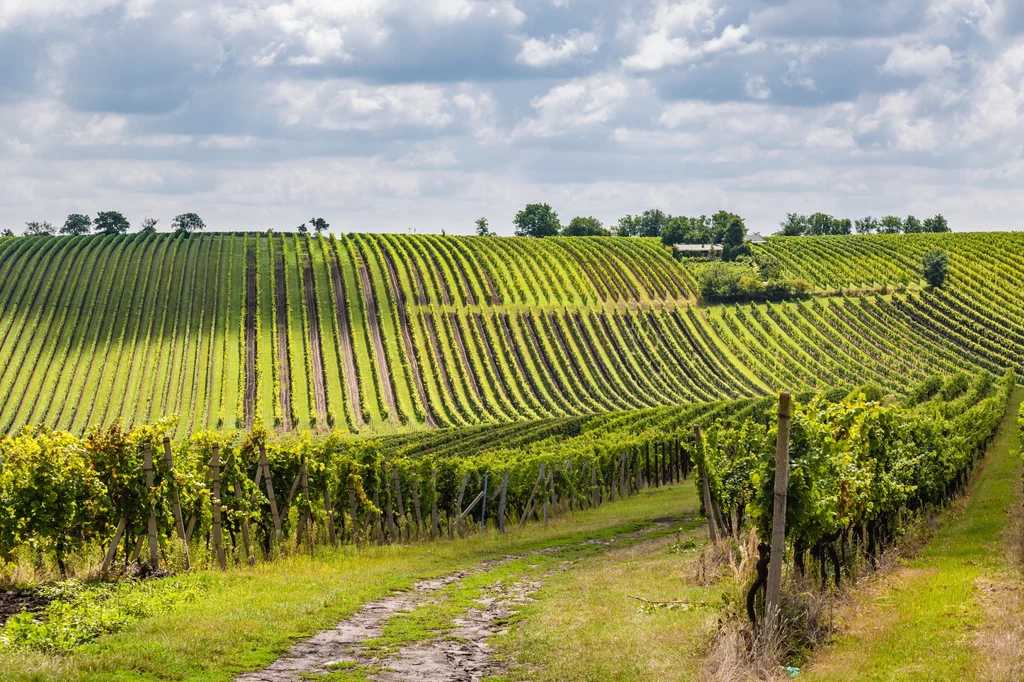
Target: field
{"points": [[539, 458]]}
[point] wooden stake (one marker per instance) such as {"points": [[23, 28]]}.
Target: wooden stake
{"points": [[403, 525], [779, 511], [245, 528], [483, 507], [389, 510], [353, 510], [709, 510], [458, 512], [112, 550], [179, 524], [147, 468], [218, 538], [529, 502], [434, 530], [501, 505], [265, 465], [329, 510], [416, 505]]}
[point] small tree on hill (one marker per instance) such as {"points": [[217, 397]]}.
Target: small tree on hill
{"points": [[890, 224], [585, 227], [149, 226], [537, 220], [319, 224], [936, 265], [936, 224], [76, 224], [866, 225], [732, 242], [110, 222], [39, 229], [187, 223], [483, 228], [7, 232], [302, 229], [912, 225]]}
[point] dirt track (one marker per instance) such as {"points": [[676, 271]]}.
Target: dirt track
{"points": [[345, 336]]}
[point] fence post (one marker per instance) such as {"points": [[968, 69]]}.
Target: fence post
{"points": [[779, 510], [403, 523], [483, 506], [501, 505], [147, 468], [353, 510], [245, 527], [218, 539], [416, 504], [709, 510], [265, 463], [179, 519], [434, 530]]}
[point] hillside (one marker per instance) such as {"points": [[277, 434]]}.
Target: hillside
{"points": [[383, 333]]}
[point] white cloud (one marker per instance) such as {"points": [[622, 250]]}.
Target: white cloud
{"points": [[349, 105], [756, 87], [557, 49], [32, 15], [577, 105], [924, 61]]}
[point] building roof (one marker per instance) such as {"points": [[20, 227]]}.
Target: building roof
{"points": [[694, 247], [756, 238]]}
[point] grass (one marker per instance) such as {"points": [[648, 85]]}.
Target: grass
{"points": [[246, 618], [930, 619], [585, 625]]}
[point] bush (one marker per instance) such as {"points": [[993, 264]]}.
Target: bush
{"points": [[936, 266], [739, 282]]}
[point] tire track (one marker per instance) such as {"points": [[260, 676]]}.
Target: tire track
{"points": [[345, 337], [315, 351]]}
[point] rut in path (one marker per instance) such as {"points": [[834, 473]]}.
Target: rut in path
{"points": [[284, 367], [462, 655], [345, 336], [250, 338], [315, 352]]}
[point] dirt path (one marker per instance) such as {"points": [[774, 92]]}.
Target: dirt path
{"points": [[284, 366], [373, 320], [410, 349], [345, 336], [461, 654], [315, 352], [249, 403]]}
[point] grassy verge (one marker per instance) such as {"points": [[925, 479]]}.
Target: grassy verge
{"points": [[928, 620], [246, 618], [585, 625]]}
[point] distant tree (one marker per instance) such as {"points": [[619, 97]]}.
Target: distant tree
{"points": [[866, 225], [890, 224], [651, 223], [319, 224], [483, 228], [302, 229], [39, 229], [148, 226], [842, 226], [936, 224], [187, 223], [7, 232], [76, 224], [936, 266], [628, 226], [110, 222], [795, 225], [720, 222], [537, 220], [585, 227], [733, 242], [912, 225]]}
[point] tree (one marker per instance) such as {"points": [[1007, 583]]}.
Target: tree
{"points": [[628, 226], [585, 227], [319, 224], [720, 223], [187, 223], [483, 228], [936, 265], [795, 225], [651, 223], [912, 225], [39, 229], [537, 220], [890, 224], [7, 232], [76, 224], [302, 229], [732, 242], [866, 225], [148, 226], [110, 222], [936, 224]]}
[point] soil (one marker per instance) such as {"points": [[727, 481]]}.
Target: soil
{"points": [[539, 348], [373, 320], [478, 319], [446, 294], [435, 346], [348, 357], [410, 350], [283, 362], [315, 352], [250, 338], [470, 374], [14, 602]]}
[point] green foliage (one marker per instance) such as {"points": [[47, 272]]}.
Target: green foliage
{"points": [[537, 220], [483, 228], [149, 226], [585, 227], [110, 222], [39, 229], [936, 224], [187, 223], [722, 282], [936, 267], [76, 224], [319, 224], [732, 241]]}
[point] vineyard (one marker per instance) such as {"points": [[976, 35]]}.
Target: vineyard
{"points": [[385, 334]]}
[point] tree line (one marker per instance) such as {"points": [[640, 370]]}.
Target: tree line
{"points": [[113, 222], [821, 224]]}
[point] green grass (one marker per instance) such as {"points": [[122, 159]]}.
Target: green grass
{"points": [[920, 623], [246, 618]]}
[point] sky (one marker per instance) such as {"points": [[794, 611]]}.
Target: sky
{"points": [[424, 115]]}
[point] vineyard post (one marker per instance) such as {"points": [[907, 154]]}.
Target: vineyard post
{"points": [[245, 527], [329, 511], [112, 550], [706, 491], [544, 503], [434, 530], [611, 483], [265, 463], [679, 461], [389, 509], [779, 510], [483, 507], [179, 523], [147, 468], [637, 471], [501, 505], [594, 492], [458, 504], [403, 531], [218, 539], [529, 503], [416, 504], [307, 519], [353, 511]]}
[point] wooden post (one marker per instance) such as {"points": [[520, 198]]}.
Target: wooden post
{"points": [[377, 530], [779, 511], [572, 487], [147, 468], [544, 496], [416, 504], [709, 510], [245, 528], [501, 505], [434, 530], [458, 513], [112, 550], [403, 531], [218, 538], [529, 503], [483, 506], [353, 510], [306, 522], [594, 492], [265, 464], [179, 523], [389, 510], [329, 511]]}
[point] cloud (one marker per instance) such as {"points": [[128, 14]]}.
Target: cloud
{"points": [[557, 49], [756, 87], [577, 105], [924, 61]]}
